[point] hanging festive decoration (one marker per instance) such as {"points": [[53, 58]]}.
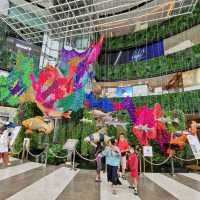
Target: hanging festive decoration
{"points": [[99, 136], [147, 123], [38, 123], [159, 126], [15, 85], [162, 134], [60, 90], [63, 89], [56, 90], [144, 128], [106, 105]]}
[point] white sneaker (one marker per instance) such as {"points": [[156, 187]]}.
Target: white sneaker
{"points": [[135, 191], [114, 192]]}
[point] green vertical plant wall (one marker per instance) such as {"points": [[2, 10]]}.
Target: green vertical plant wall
{"points": [[181, 61], [87, 129], [154, 33]]}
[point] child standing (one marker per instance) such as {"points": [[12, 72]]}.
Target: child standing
{"points": [[112, 155], [133, 166], [4, 143]]}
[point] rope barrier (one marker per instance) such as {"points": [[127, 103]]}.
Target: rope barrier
{"points": [[156, 164], [186, 160], [61, 157], [90, 160], [14, 152], [35, 156]]}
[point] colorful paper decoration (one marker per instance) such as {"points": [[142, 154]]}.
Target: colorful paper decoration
{"points": [[38, 124], [63, 89], [106, 105], [18, 80], [54, 89]]}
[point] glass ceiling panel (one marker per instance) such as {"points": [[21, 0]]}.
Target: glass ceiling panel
{"points": [[72, 18]]}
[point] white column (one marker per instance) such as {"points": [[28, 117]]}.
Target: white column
{"points": [[50, 51]]}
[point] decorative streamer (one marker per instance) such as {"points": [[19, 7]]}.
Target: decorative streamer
{"points": [[109, 106], [56, 90]]}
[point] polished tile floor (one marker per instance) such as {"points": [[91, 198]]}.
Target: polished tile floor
{"points": [[32, 181]]}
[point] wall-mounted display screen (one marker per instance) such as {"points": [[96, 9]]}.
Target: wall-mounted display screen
{"points": [[124, 91]]}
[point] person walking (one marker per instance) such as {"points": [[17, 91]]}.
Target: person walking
{"points": [[112, 155]]}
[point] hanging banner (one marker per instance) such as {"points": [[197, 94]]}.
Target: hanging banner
{"points": [[145, 52], [195, 145], [147, 151]]}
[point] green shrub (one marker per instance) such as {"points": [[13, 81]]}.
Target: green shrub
{"points": [[56, 149]]}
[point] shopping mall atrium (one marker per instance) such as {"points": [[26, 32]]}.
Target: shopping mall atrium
{"points": [[99, 99]]}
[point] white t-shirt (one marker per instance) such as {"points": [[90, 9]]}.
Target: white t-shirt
{"points": [[4, 140]]}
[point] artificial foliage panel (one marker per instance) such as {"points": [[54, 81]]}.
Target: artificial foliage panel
{"points": [[180, 61], [154, 33]]}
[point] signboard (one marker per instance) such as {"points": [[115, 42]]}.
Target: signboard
{"points": [[70, 144], [15, 44], [195, 145], [147, 151], [21, 46]]}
